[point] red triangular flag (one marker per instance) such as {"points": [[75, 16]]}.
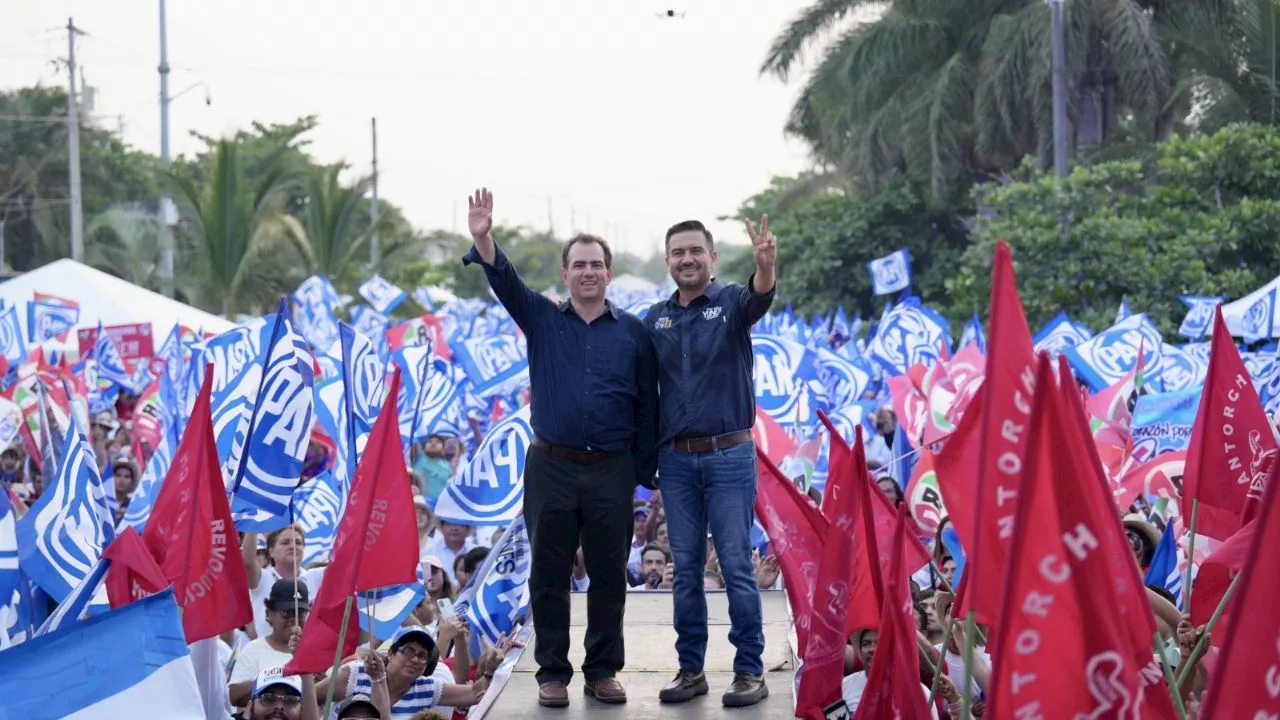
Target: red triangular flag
{"points": [[980, 467], [1070, 566], [134, 573], [893, 682], [796, 530], [1232, 446], [191, 534], [844, 592], [1244, 682], [379, 515]]}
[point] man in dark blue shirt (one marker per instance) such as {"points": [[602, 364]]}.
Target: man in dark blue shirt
{"points": [[706, 457], [594, 406]]}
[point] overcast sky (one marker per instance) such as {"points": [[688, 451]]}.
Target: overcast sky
{"points": [[593, 112]]}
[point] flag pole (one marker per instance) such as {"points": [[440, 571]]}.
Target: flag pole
{"points": [[942, 656], [1168, 675], [970, 630], [337, 657], [1204, 636], [1191, 555]]}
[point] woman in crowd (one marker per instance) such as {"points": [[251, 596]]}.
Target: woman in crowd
{"points": [[284, 557], [409, 677], [438, 584]]}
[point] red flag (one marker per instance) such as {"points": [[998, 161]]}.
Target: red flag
{"points": [[796, 529], [133, 574], [893, 682], [1246, 681], [1232, 445], [845, 593], [980, 467], [770, 437], [1070, 567], [379, 516], [191, 535], [1214, 578]]}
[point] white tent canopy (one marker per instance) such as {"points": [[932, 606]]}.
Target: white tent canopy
{"points": [[1233, 313], [105, 298]]}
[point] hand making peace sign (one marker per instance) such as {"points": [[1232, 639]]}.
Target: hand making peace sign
{"points": [[764, 246]]}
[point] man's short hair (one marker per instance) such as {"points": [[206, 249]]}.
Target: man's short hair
{"points": [[655, 546], [585, 239], [690, 226]]}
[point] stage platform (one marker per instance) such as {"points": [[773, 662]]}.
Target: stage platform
{"points": [[651, 663]]}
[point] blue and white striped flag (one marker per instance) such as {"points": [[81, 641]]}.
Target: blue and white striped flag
{"points": [[80, 603], [389, 606], [278, 433], [496, 365], [12, 347], [973, 333], [1199, 315], [63, 535], [908, 334], [317, 507], [381, 294], [1123, 312], [1061, 333], [109, 363], [47, 320], [10, 575], [1260, 318], [498, 594], [313, 304], [891, 273], [1163, 570], [489, 489]]}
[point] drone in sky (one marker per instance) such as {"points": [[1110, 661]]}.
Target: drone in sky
{"points": [[669, 14]]}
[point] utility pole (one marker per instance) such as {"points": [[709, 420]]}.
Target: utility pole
{"points": [[375, 250], [1060, 126], [168, 216], [73, 147], [551, 219]]}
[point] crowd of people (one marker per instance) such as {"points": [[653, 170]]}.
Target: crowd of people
{"points": [[626, 489]]}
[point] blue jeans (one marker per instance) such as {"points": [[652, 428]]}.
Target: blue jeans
{"points": [[713, 491]]}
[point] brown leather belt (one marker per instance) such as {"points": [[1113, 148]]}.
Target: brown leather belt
{"points": [[574, 456], [713, 443]]}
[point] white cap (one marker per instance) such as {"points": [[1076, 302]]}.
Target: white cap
{"points": [[273, 677]]}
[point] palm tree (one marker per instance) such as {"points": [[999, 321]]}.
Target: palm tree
{"points": [[950, 92], [1229, 53], [332, 222], [125, 242], [232, 224]]}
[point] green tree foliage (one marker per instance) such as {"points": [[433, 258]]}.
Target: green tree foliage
{"points": [[1201, 220], [825, 241], [35, 191], [948, 92]]}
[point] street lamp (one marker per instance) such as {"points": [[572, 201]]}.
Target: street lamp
{"points": [[1059, 90]]}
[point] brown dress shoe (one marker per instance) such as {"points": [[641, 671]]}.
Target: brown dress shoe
{"points": [[553, 694], [606, 690]]}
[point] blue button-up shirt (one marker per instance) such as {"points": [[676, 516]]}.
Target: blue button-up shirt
{"points": [[705, 361], [594, 386]]}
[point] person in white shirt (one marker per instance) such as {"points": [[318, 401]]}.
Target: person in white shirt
{"points": [[451, 541], [286, 608], [655, 569], [284, 555], [853, 686]]}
